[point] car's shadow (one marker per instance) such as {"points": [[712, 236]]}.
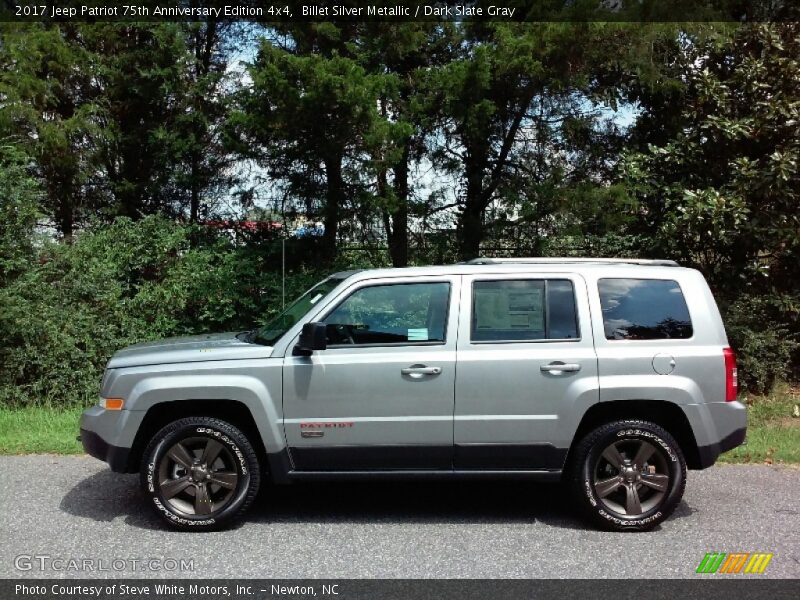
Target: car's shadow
{"points": [[106, 496]]}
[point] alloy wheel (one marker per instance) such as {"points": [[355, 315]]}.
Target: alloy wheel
{"points": [[631, 477], [197, 476]]}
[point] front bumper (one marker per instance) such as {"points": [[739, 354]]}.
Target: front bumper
{"points": [[116, 457], [109, 435]]}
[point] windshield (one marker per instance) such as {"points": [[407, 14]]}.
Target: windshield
{"points": [[274, 330]]}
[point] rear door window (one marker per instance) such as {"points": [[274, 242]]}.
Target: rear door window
{"points": [[521, 310], [644, 309]]}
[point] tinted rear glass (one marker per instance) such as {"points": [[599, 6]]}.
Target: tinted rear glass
{"points": [[644, 309], [562, 321]]}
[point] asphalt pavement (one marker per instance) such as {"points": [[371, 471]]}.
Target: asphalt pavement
{"points": [[58, 512]]}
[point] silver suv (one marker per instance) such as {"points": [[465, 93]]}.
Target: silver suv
{"points": [[611, 375]]}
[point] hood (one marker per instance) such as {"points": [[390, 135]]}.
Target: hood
{"points": [[195, 348]]}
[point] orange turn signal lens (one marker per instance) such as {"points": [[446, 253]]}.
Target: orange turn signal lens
{"points": [[112, 403]]}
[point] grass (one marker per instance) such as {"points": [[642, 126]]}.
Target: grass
{"points": [[39, 430], [773, 434]]}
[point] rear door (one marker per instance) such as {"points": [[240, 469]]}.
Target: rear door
{"points": [[381, 395], [527, 370]]}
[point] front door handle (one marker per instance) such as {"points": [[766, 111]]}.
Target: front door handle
{"points": [[418, 371], [560, 367]]}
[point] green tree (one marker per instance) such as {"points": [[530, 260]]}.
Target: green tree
{"points": [[722, 192], [141, 91], [306, 117], [49, 107], [405, 53], [195, 141], [508, 111], [120, 118]]}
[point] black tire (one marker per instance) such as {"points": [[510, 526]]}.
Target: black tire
{"points": [[614, 492], [208, 494]]}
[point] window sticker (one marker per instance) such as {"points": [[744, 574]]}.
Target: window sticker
{"points": [[526, 309], [316, 298], [503, 309], [418, 335]]}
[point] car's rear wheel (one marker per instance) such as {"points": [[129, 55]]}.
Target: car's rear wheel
{"points": [[200, 473], [628, 475]]}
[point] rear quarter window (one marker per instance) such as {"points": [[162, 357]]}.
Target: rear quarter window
{"points": [[644, 309]]}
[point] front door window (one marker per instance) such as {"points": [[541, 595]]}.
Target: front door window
{"points": [[413, 313]]}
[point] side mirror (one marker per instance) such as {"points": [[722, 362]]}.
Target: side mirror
{"points": [[312, 338]]}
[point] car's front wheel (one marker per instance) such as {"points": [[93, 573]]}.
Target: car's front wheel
{"points": [[200, 473], [628, 475]]}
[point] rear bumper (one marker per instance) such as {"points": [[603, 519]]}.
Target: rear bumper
{"points": [[116, 457], [709, 454], [717, 427]]}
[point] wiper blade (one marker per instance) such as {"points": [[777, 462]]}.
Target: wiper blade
{"points": [[254, 338], [246, 336]]}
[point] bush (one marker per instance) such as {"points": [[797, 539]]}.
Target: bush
{"points": [[63, 317], [760, 330]]}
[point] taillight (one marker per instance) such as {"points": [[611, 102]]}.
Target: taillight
{"points": [[731, 375]]}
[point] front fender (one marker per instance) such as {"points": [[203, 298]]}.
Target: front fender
{"points": [[249, 390]]}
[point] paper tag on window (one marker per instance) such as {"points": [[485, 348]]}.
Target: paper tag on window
{"points": [[315, 298], [418, 335]]}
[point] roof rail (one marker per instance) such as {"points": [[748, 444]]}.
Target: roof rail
{"points": [[652, 262]]}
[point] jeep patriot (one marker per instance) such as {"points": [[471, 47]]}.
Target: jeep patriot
{"points": [[611, 375]]}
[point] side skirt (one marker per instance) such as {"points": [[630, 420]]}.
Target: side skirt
{"points": [[535, 462], [399, 475]]}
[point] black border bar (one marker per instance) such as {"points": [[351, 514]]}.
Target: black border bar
{"points": [[288, 11], [707, 587]]}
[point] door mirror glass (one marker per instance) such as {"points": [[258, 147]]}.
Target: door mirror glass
{"points": [[312, 338]]}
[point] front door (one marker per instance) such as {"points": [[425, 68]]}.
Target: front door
{"points": [[381, 396], [527, 370]]}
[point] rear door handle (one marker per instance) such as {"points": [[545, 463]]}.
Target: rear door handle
{"points": [[420, 370], [560, 367]]}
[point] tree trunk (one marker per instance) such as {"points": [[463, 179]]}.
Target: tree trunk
{"points": [[130, 204], [335, 196], [398, 237], [65, 217], [470, 230], [204, 43], [382, 187], [194, 201]]}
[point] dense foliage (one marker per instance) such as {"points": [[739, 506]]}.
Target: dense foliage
{"points": [[116, 285], [121, 145]]}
